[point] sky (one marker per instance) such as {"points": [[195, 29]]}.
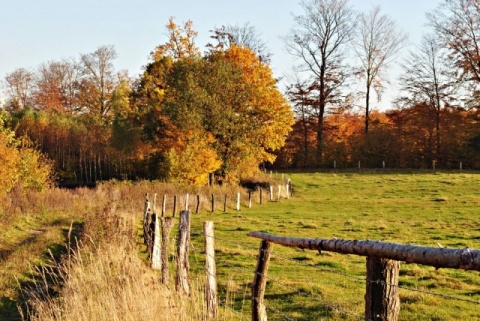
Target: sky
{"points": [[37, 31]]}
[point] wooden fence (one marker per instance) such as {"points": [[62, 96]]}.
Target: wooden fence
{"points": [[382, 301], [157, 229]]}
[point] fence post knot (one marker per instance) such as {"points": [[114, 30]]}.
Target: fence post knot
{"points": [[467, 259]]}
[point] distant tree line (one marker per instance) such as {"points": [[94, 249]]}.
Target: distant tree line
{"points": [[191, 115]]}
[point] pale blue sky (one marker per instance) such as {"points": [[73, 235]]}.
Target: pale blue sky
{"points": [[36, 31]]}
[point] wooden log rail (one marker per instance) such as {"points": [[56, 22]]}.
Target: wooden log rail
{"points": [[382, 301], [466, 259]]}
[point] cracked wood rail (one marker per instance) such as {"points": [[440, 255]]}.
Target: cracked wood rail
{"points": [[466, 259]]}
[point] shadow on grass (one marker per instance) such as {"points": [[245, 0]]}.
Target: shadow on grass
{"points": [[12, 310]]}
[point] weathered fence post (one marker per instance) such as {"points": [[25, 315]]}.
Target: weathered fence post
{"points": [[461, 166], [211, 272], [164, 205], [213, 203], [146, 218], [198, 204], [183, 265], [261, 196], [156, 250], [186, 202], [287, 188], [382, 301], [271, 193], [174, 205], [167, 225], [225, 203], [259, 311], [249, 199], [279, 194], [238, 201], [358, 164]]}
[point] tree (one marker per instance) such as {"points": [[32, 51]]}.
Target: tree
{"points": [[456, 23], [19, 88], [318, 40], [99, 81], [57, 86], [181, 42], [427, 81], [301, 97], [244, 36], [377, 43]]}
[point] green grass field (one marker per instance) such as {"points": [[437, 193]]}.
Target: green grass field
{"points": [[427, 209]]}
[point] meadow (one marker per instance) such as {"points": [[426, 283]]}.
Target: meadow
{"points": [[422, 208], [427, 209]]}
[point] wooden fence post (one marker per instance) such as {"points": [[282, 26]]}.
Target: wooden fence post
{"points": [[271, 192], [213, 203], [261, 196], [174, 205], [382, 301], [198, 204], [183, 265], [238, 201], [156, 250], [186, 202], [164, 205], [167, 225], [146, 218], [211, 272], [225, 203], [279, 194], [259, 311], [249, 199]]}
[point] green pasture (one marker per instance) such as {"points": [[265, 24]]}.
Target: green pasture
{"points": [[428, 209]]}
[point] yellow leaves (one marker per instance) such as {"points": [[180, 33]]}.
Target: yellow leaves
{"points": [[193, 158], [9, 158], [34, 170], [181, 43], [20, 164]]}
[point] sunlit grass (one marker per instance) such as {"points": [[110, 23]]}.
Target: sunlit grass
{"points": [[428, 209]]}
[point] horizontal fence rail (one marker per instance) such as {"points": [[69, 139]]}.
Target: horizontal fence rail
{"points": [[382, 301], [466, 259]]}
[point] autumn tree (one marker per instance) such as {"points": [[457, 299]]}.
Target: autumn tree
{"points": [[228, 96], [98, 81], [19, 86], [318, 40], [376, 44], [57, 86], [181, 42]]}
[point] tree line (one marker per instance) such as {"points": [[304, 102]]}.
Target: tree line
{"points": [[191, 114]]}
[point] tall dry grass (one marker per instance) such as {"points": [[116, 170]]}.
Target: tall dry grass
{"points": [[102, 275], [105, 281]]}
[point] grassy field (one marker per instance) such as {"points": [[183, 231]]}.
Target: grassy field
{"points": [[428, 209]]}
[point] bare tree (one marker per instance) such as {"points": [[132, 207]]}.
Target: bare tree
{"points": [[427, 81], [19, 86], [457, 25], [318, 41], [99, 80], [376, 45], [246, 36]]}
